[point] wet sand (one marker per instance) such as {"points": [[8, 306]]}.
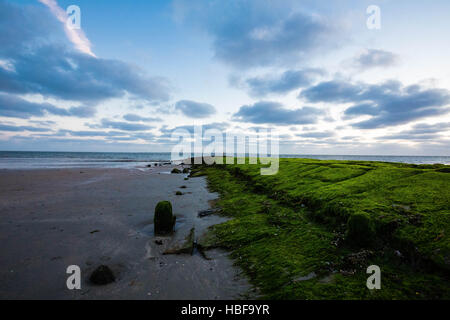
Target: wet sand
{"points": [[50, 219]]}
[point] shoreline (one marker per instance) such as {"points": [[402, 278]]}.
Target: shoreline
{"points": [[53, 218], [82, 160]]}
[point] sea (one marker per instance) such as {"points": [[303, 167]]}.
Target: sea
{"points": [[48, 160]]}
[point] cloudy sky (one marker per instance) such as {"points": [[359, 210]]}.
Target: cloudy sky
{"points": [[311, 70]]}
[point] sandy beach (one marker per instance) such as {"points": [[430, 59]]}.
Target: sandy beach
{"points": [[50, 219]]}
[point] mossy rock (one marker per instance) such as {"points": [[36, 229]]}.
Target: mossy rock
{"points": [[164, 220], [360, 230], [175, 170], [186, 170], [179, 193]]}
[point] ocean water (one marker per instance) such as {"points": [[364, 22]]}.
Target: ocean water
{"points": [[48, 160]]}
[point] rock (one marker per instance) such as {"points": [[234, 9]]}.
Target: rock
{"points": [[398, 254], [102, 275], [164, 220], [158, 242], [186, 178], [307, 277], [175, 170], [186, 170], [183, 187], [179, 193], [187, 247], [357, 260], [208, 212]]}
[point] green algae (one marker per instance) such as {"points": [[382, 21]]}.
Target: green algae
{"points": [[312, 214]]}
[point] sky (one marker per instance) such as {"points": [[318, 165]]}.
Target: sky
{"points": [[313, 71]]}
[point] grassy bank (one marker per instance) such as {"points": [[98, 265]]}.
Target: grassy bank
{"points": [[310, 231]]}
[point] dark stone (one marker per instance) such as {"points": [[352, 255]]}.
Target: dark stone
{"points": [[357, 260], [183, 187], [102, 275], [186, 247], [186, 170], [179, 193], [208, 212], [158, 242], [175, 170], [164, 220]]}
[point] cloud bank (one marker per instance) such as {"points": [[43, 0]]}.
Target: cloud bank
{"points": [[389, 103], [275, 113], [194, 109]]}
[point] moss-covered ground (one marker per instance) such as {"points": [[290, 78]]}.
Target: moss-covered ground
{"points": [[311, 230]]}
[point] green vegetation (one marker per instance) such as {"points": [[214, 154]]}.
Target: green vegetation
{"points": [[311, 230]]}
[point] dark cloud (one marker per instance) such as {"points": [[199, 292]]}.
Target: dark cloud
{"points": [[422, 128], [11, 128], [420, 131], [259, 33], [15, 107], [332, 91], [91, 133], [373, 58], [148, 136], [361, 110], [388, 103], [283, 83], [410, 137], [194, 109], [136, 118], [121, 125], [43, 122], [43, 62], [167, 132], [274, 113], [316, 135]]}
